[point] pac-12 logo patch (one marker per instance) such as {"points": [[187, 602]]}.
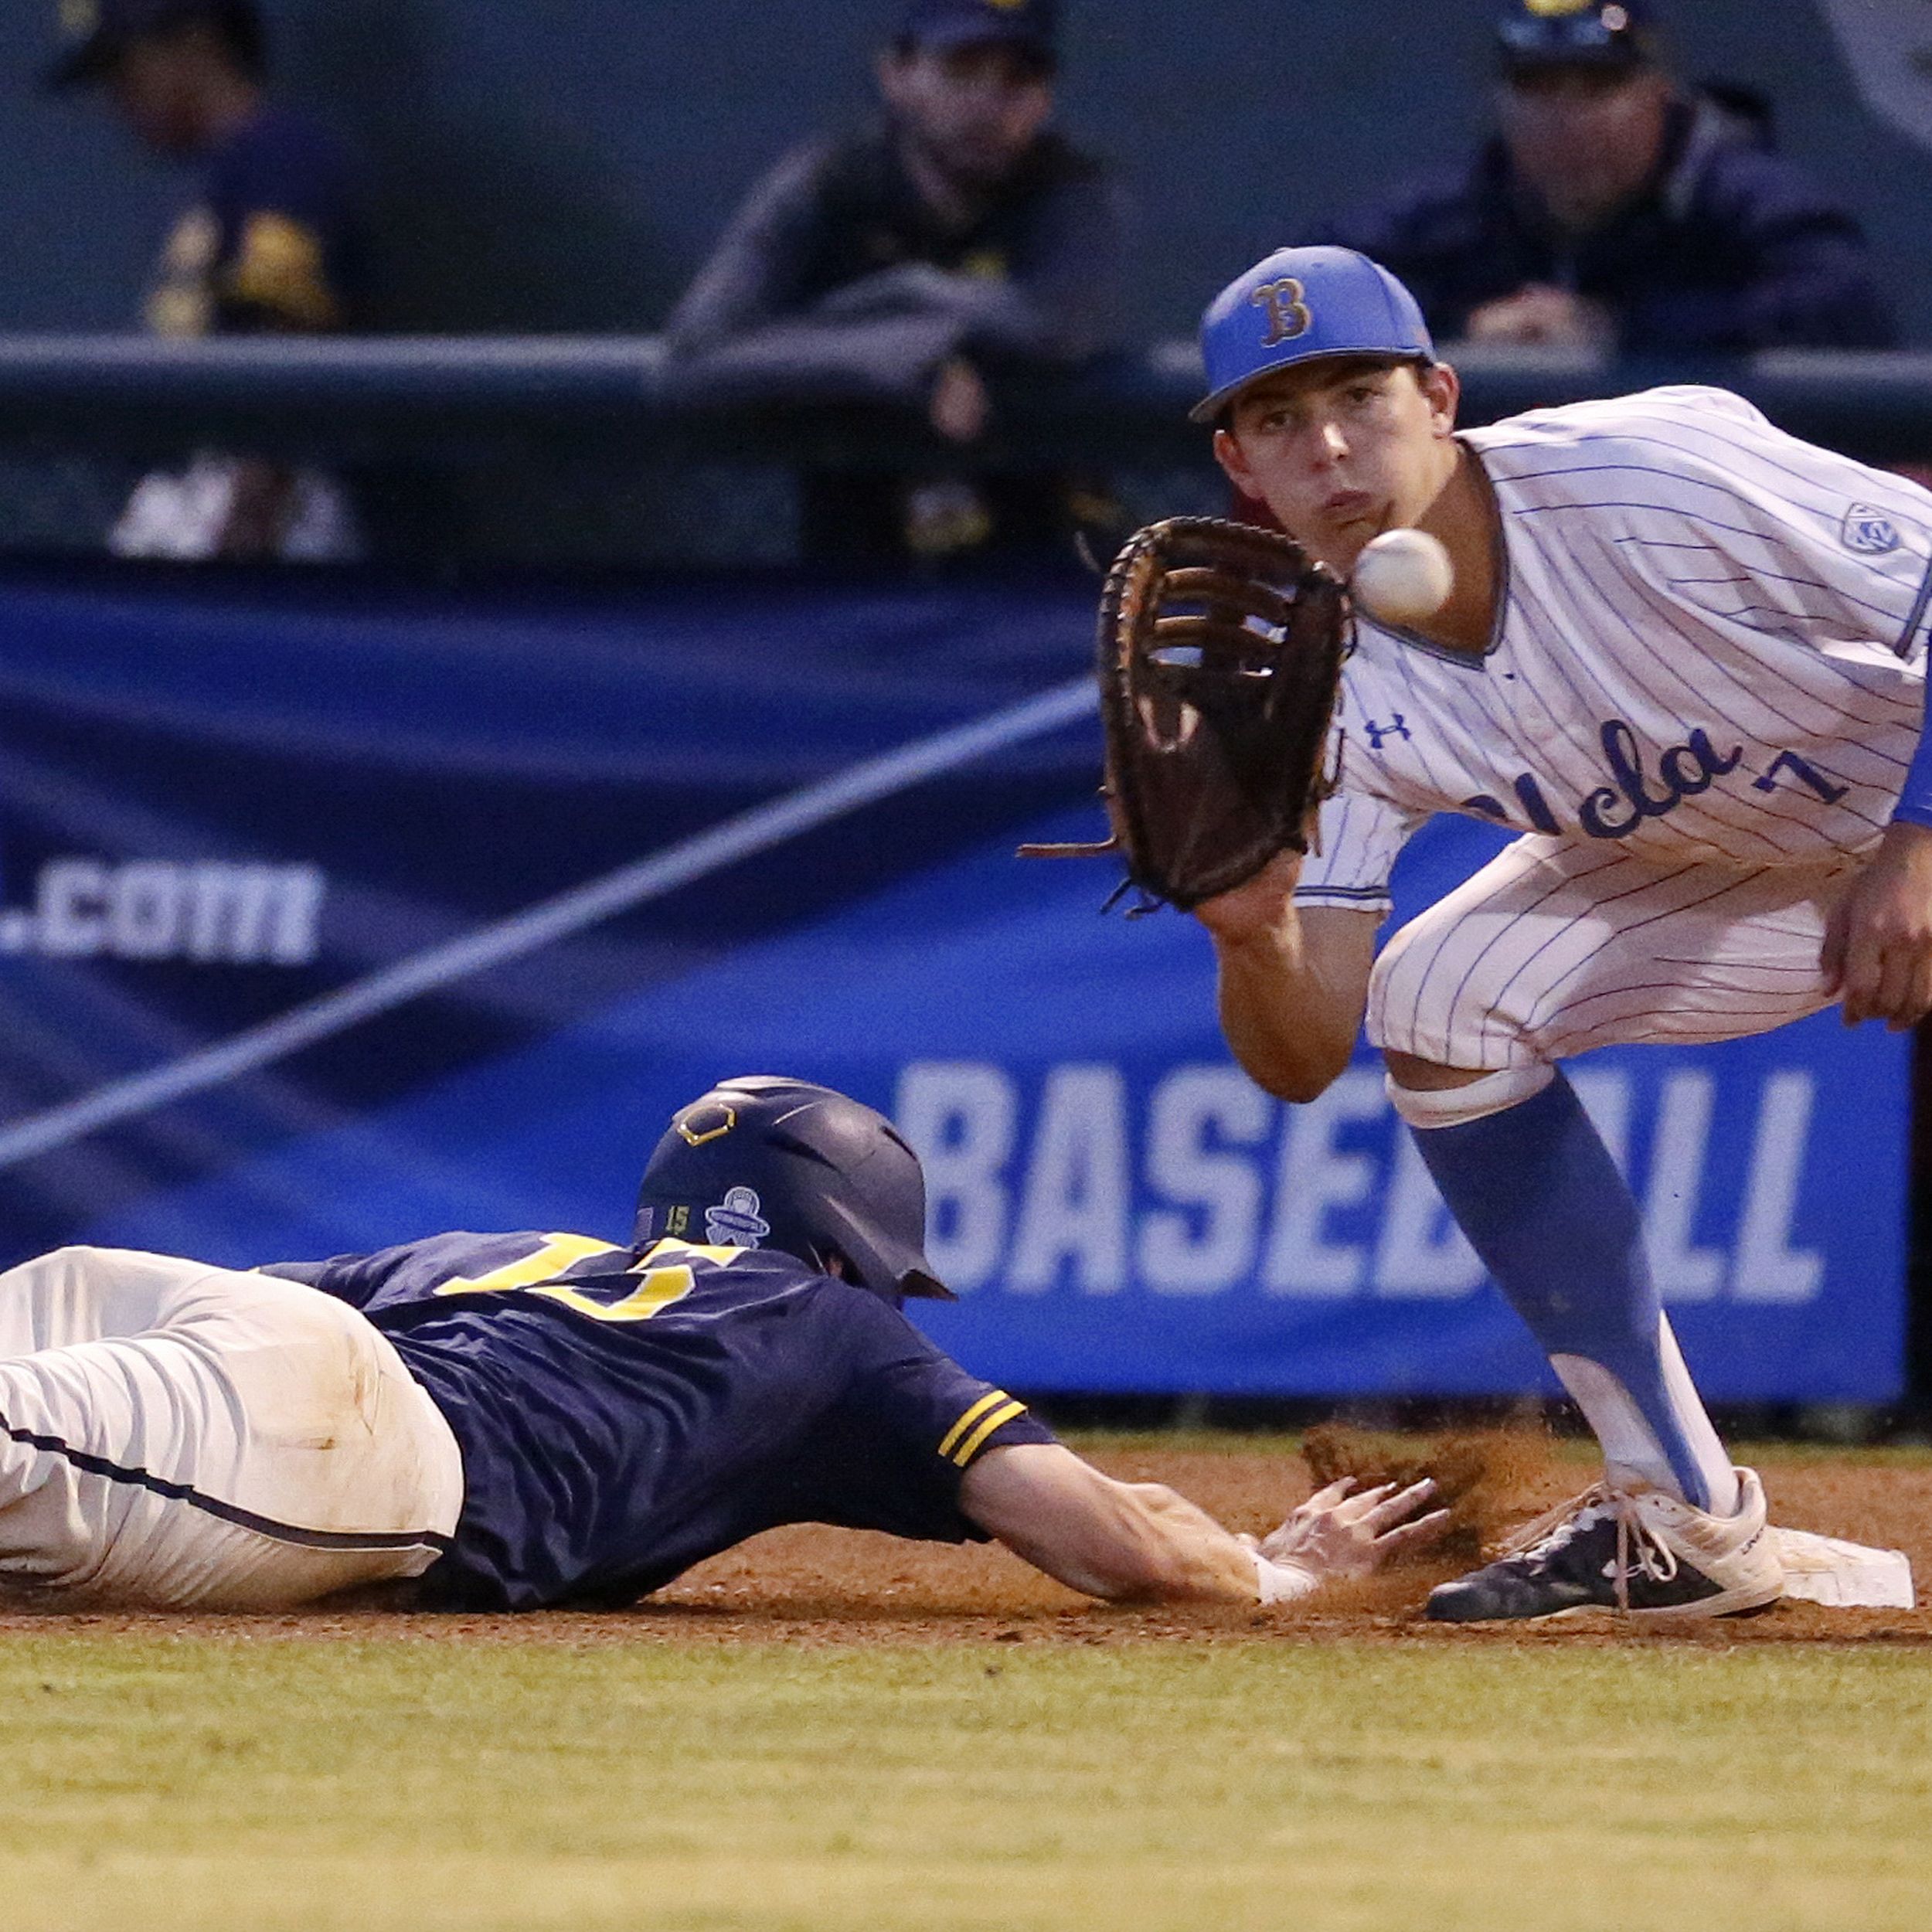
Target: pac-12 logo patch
{"points": [[736, 1222], [1869, 532]]}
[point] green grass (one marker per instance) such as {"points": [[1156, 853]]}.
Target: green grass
{"points": [[159, 1782]]}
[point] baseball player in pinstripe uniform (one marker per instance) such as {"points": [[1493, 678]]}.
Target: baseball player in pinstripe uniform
{"points": [[511, 1421], [1684, 657]]}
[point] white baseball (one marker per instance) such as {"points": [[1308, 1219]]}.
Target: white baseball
{"points": [[1403, 575]]}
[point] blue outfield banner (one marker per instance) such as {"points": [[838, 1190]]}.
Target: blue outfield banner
{"points": [[230, 815]]}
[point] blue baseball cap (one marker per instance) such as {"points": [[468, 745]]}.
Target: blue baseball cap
{"points": [[99, 32], [1299, 305], [1033, 26], [1576, 33]]}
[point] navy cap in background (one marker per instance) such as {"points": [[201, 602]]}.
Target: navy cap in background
{"points": [[1031, 25], [1301, 304], [1577, 33], [99, 32]]}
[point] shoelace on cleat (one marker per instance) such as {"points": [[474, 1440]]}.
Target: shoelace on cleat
{"points": [[1555, 1528], [1655, 1559]]}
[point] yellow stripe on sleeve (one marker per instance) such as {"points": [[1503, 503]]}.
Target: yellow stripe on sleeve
{"points": [[997, 1419], [971, 1415]]}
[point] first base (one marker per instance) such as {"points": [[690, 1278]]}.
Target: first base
{"points": [[1824, 1570]]}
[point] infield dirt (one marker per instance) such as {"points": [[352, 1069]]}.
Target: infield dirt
{"points": [[816, 1585]]}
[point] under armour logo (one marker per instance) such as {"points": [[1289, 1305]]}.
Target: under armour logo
{"points": [[1869, 532], [1287, 309], [1378, 731]]}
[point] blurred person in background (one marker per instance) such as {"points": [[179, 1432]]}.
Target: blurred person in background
{"points": [[1618, 209], [957, 236], [270, 243]]}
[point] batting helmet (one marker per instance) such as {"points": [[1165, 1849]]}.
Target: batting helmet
{"points": [[762, 1162]]}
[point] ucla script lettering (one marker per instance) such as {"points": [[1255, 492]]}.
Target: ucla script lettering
{"points": [[1616, 810], [1683, 771]]}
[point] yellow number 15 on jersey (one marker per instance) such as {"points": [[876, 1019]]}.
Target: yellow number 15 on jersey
{"points": [[660, 1282]]}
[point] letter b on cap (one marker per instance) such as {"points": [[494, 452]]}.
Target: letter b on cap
{"points": [[1287, 309]]}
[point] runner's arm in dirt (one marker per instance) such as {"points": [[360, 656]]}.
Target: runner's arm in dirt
{"points": [[1142, 1542]]}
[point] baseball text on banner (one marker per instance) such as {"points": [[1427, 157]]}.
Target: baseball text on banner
{"points": [[221, 814]]}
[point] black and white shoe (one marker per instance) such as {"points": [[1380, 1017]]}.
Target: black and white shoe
{"points": [[1639, 1552]]}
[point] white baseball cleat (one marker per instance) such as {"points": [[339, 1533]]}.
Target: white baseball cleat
{"points": [[1641, 1552]]}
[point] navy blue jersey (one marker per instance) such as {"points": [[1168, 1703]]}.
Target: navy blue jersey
{"points": [[622, 1417], [273, 240], [1727, 249]]}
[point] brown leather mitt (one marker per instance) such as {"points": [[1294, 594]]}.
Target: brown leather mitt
{"points": [[1220, 651]]}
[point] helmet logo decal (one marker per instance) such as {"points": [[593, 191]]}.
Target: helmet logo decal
{"points": [[736, 1222], [708, 1120]]}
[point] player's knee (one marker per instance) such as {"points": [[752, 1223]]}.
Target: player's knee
{"points": [[1422, 1097], [1413, 1022], [1423, 1076], [1397, 1001]]}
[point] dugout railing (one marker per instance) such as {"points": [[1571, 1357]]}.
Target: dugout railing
{"points": [[339, 398], [564, 451]]}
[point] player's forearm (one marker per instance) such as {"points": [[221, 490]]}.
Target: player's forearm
{"points": [[1191, 1559], [753, 273], [889, 359], [1293, 982], [1125, 1543], [1283, 1018]]}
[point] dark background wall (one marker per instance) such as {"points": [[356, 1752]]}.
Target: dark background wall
{"points": [[546, 166]]}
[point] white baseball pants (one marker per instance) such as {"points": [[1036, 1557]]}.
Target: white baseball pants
{"points": [[174, 1435], [1558, 946]]}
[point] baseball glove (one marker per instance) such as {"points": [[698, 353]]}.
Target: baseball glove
{"points": [[1221, 652]]}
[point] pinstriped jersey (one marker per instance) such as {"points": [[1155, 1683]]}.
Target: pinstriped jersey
{"points": [[623, 1415], [1709, 645]]}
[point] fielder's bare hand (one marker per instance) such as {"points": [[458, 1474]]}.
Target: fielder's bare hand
{"points": [[1341, 1531], [1542, 317], [1877, 943]]}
